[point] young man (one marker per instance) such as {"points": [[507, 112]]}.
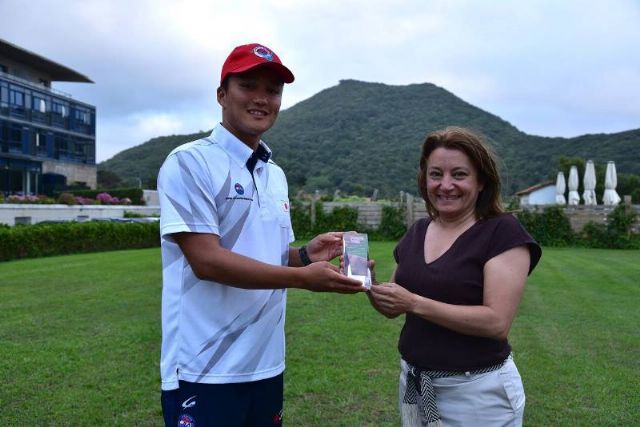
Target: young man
{"points": [[226, 231]]}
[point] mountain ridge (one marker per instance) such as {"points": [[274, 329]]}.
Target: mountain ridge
{"points": [[357, 136]]}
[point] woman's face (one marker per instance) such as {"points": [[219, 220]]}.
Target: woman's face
{"points": [[453, 184]]}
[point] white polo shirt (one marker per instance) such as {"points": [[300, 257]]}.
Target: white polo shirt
{"points": [[211, 332]]}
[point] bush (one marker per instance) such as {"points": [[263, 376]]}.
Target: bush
{"points": [[301, 220], [621, 220], [392, 225], [129, 214], [596, 236], [39, 240], [342, 218], [66, 199], [615, 235], [345, 218], [552, 228], [549, 228]]}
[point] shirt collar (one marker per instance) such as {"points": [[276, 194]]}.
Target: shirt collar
{"points": [[238, 150], [261, 153]]}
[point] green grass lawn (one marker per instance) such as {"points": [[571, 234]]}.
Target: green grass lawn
{"points": [[80, 339]]}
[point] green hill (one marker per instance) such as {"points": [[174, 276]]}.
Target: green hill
{"points": [[358, 136]]}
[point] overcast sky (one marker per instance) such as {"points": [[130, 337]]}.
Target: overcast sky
{"points": [[550, 68]]}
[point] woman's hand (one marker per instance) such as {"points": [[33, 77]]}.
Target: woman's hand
{"points": [[391, 299]]}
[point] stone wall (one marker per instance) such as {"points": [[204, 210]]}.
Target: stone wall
{"points": [[370, 213], [75, 172], [151, 197], [580, 215]]}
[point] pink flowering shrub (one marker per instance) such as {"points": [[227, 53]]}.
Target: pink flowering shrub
{"points": [[104, 198], [84, 201], [67, 198], [108, 199]]}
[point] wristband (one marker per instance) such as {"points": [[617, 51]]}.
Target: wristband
{"points": [[304, 256]]}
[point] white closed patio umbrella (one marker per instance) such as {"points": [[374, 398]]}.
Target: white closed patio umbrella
{"points": [[610, 196], [574, 196], [561, 187], [589, 181]]}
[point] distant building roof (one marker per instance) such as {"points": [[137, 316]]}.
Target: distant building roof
{"points": [[57, 71], [534, 188]]}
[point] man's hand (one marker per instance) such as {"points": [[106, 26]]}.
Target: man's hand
{"points": [[325, 277], [325, 247]]}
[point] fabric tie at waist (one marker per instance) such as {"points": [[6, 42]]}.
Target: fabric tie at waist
{"points": [[420, 384]]}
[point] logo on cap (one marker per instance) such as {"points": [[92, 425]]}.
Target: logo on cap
{"points": [[263, 53], [239, 188], [186, 420]]}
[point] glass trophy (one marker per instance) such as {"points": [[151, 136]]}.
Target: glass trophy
{"points": [[356, 256]]}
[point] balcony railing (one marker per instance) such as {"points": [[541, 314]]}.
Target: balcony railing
{"points": [[34, 85]]}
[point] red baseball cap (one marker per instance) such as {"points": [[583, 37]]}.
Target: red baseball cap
{"points": [[248, 56]]}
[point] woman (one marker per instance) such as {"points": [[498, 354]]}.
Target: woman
{"points": [[459, 278]]}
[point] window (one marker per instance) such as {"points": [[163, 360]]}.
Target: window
{"points": [[4, 96], [16, 102], [39, 104], [61, 146], [60, 109], [17, 98], [88, 150], [38, 142], [4, 137], [78, 150], [3, 68], [15, 139], [82, 116]]}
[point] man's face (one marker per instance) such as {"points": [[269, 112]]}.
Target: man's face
{"points": [[251, 103]]}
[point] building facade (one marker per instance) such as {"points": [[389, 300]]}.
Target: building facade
{"points": [[47, 138], [539, 194]]}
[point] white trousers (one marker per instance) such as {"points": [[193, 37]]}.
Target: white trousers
{"points": [[491, 399]]}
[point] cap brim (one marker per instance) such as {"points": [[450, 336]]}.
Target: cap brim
{"points": [[285, 74]]}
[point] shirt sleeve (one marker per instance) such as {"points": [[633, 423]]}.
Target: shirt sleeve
{"points": [[405, 241], [187, 202], [508, 234]]}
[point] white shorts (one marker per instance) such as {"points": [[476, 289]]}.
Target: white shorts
{"points": [[491, 399]]}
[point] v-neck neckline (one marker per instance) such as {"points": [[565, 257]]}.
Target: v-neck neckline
{"points": [[449, 249]]}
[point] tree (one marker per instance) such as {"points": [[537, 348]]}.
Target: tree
{"points": [[108, 179], [629, 184]]}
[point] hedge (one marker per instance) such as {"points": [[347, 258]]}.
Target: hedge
{"points": [[134, 194], [552, 228], [39, 240], [345, 218]]}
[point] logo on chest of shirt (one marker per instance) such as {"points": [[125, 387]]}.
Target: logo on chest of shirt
{"points": [[239, 193], [239, 188]]}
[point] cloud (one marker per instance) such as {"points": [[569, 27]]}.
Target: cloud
{"points": [[548, 67], [119, 133]]}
